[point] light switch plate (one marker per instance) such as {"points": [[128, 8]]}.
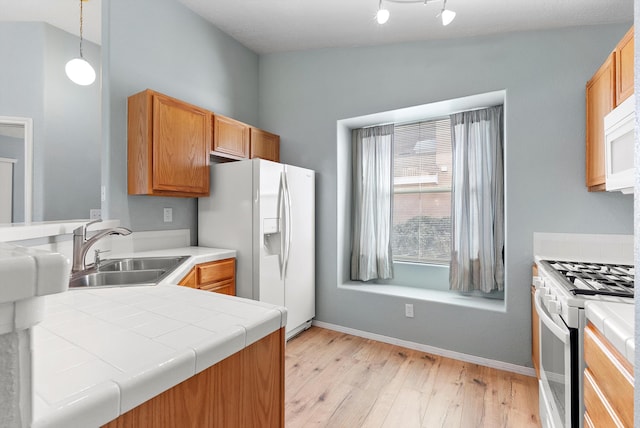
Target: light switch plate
{"points": [[408, 310]]}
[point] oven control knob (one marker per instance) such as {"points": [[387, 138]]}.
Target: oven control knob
{"points": [[538, 282], [554, 307], [548, 298]]}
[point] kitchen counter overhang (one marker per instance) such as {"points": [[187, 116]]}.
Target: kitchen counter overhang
{"points": [[101, 352]]}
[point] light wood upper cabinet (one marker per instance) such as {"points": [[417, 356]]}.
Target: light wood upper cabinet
{"points": [[624, 67], [608, 383], [168, 146], [230, 137], [600, 99], [265, 145], [218, 276], [233, 139], [609, 86]]}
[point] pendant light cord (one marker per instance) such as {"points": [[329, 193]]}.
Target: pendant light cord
{"points": [[81, 56]]}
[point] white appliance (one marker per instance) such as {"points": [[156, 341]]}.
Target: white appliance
{"points": [[619, 126], [266, 212], [562, 288]]}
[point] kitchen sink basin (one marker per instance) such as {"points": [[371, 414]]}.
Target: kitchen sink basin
{"points": [[110, 279], [140, 263], [126, 272]]}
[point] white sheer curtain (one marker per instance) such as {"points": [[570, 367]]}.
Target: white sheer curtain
{"points": [[372, 203], [477, 212]]}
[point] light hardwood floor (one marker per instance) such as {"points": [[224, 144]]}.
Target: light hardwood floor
{"points": [[338, 380]]}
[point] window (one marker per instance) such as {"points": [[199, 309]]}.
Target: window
{"points": [[422, 192]]}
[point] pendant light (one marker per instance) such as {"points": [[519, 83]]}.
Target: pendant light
{"points": [[78, 69]]}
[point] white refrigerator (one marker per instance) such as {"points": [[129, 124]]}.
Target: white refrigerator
{"points": [[266, 212]]}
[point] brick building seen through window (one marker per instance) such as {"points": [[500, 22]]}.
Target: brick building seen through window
{"points": [[422, 192]]}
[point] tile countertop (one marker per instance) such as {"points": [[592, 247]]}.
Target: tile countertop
{"points": [[100, 352], [616, 322]]}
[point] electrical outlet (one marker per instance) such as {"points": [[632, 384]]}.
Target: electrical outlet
{"points": [[103, 193], [408, 310], [168, 215], [95, 214]]}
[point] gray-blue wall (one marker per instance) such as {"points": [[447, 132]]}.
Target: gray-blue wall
{"points": [[303, 94], [66, 116], [164, 46]]}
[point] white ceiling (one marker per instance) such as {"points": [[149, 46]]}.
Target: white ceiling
{"points": [[291, 25]]}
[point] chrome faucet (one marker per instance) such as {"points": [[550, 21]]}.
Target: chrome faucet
{"points": [[81, 244]]}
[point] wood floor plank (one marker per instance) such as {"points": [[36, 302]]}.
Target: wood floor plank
{"points": [[337, 380]]}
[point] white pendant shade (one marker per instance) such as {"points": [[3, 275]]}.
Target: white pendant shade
{"points": [[447, 16], [382, 16], [80, 72]]}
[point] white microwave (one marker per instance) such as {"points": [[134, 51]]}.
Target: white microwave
{"points": [[619, 133]]}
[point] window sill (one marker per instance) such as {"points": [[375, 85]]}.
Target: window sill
{"points": [[435, 296]]}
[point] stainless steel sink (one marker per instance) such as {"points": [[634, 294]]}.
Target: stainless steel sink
{"points": [[110, 279], [140, 263], [126, 272]]}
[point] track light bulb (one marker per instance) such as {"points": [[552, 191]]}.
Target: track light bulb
{"points": [[447, 16], [382, 16]]}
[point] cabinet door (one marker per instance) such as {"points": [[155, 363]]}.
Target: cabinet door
{"points": [[610, 379], [624, 67], [181, 138], [600, 98], [230, 137], [265, 145], [218, 276]]}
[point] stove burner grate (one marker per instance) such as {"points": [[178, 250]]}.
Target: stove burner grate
{"points": [[596, 278]]}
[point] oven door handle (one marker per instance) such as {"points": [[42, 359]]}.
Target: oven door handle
{"points": [[558, 331]]}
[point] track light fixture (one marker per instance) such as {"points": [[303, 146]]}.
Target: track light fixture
{"points": [[382, 15], [447, 15]]}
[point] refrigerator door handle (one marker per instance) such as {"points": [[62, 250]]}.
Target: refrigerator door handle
{"points": [[281, 220], [287, 249]]}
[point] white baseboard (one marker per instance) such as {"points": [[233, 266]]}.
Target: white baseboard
{"points": [[500, 365]]}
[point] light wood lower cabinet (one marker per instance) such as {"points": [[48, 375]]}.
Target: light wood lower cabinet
{"points": [[535, 334], [608, 383], [218, 276], [243, 390]]}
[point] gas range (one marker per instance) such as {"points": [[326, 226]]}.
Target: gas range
{"points": [[567, 285], [590, 279], [562, 288]]}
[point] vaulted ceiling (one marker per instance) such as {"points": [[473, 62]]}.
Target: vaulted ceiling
{"points": [[293, 25]]}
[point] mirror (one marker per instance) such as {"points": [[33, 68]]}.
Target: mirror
{"points": [[60, 121]]}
